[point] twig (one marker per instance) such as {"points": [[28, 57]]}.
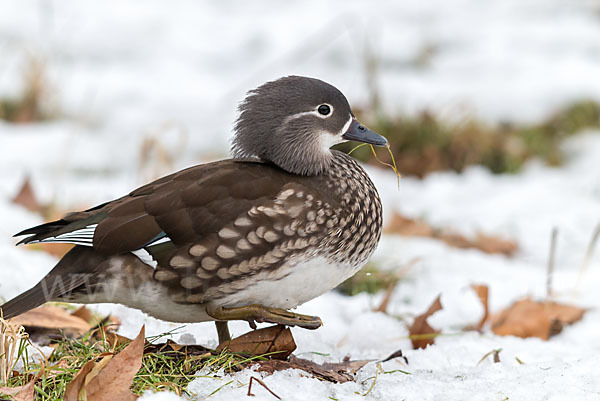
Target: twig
{"points": [[494, 352], [551, 257], [589, 253], [262, 384], [387, 297], [392, 286]]}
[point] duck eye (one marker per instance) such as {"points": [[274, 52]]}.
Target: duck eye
{"points": [[324, 109]]}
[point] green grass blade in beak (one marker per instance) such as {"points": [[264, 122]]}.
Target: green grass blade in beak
{"points": [[358, 132]]}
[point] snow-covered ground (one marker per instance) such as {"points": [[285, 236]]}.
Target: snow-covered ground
{"points": [[125, 71]]}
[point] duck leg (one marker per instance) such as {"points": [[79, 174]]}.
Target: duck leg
{"points": [[223, 331], [261, 314]]}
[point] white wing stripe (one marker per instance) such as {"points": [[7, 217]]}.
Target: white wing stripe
{"points": [[145, 257], [160, 241], [76, 234], [83, 236], [58, 241]]}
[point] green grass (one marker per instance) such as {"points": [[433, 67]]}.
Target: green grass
{"points": [[369, 279], [31, 104], [425, 143], [163, 368]]}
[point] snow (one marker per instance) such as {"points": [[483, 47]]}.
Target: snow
{"points": [[174, 71]]}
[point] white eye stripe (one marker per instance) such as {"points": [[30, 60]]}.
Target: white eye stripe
{"points": [[346, 126], [314, 112]]}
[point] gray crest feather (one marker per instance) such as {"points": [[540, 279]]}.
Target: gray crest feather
{"points": [[267, 130]]}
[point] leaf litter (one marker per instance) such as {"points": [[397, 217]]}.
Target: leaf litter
{"points": [[529, 318], [421, 333], [406, 226]]}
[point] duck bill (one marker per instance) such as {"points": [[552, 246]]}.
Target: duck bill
{"points": [[358, 132]]}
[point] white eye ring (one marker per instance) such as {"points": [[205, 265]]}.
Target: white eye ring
{"points": [[324, 110]]}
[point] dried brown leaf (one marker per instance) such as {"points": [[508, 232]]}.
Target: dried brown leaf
{"points": [[566, 314], [26, 198], [51, 317], [85, 314], [491, 244], [74, 387], [189, 350], [21, 393], [116, 340], [482, 292], [333, 372], [273, 339], [454, 240], [407, 226], [113, 382], [346, 366], [26, 392], [420, 329], [528, 318]]}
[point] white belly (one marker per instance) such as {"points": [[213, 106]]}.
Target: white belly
{"points": [[284, 288], [292, 285]]}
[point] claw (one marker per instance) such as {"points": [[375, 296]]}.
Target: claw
{"points": [[259, 314]]}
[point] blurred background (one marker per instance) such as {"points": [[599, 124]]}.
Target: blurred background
{"points": [[492, 110]]}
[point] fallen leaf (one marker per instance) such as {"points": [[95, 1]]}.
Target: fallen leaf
{"points": [[346, 366], [111, 377], [85, 314], [482, 292], [97, 368], [276, 340], [566, 314], [26, 198], [108, 324], [490, 244], [333, 372], [51, 317], [174, 346], [528, 318], [113, 382], [524, 318], [407, 226], [74, 387], [21, 393], [26, 392], [189, 350], [420, 329], [116, 340]]}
